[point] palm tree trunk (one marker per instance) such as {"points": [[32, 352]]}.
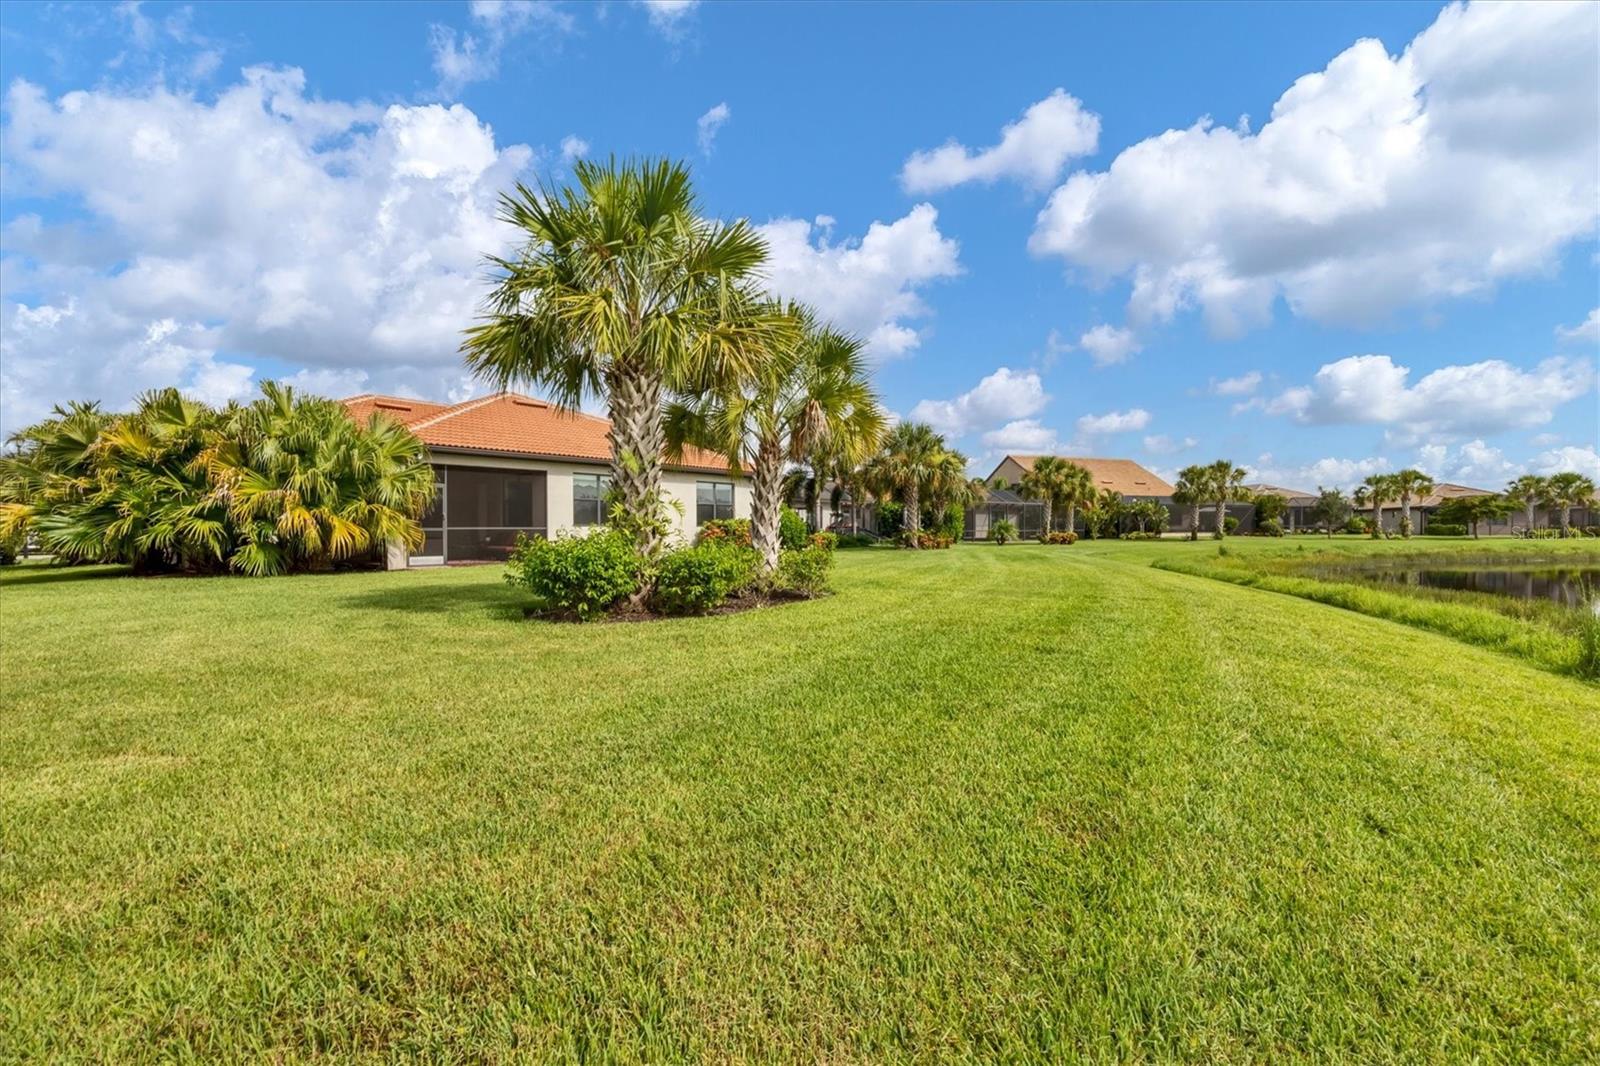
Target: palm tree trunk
{"points": [[1566, 519], [1405, 516], [1222, 514], [1072, 517], [1194, 520], [911, 521], [1048, 514], [637, 438], [766, 486], [1530, 506], [1377, 520]]}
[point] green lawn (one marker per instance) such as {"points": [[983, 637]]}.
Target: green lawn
{"points": [[1011, 803]]}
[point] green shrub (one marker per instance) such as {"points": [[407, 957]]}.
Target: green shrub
{"points": [[1270, 527], [954, 524], [734, 531], [791, 529], [1136, 535], [576, 576], [1003, 531], [891, 519], [1446, 529], [805, 572], [1230, 524], [1058, 536], [856, 540], [694, 580], [826, 540], [1357, 524]]}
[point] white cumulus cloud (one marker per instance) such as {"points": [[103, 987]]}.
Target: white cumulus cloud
{"points": [[867, 286], [460, 59], [1025, 436], [263, 223], [1113, 422], [1108, 345], [1032, 149], [1587, 330], [1243, 385], [669, 17], [1329, 473], [1473, 398], [1005, 396], [1379, 182]]}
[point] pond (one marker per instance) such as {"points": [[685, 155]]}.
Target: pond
{"points": [[1569, 585]]}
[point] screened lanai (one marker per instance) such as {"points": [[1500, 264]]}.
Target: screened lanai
{"points": [[1026, 515]]}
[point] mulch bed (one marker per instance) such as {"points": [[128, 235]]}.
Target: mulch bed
{"points": [[630, 613]]}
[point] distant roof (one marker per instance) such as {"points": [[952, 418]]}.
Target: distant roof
{"points": [[1123, 475], [508, 423], [1279, 490], [1444, 490]]}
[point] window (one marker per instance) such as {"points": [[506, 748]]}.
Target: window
{"points": [[712, 500], [589, 493]]}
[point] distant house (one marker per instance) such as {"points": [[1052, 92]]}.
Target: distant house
{"points": [[1124, 476], [507, 464], [1296, 516], [1423, 508]]}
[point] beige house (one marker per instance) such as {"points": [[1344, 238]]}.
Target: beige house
{"points": [[508, 464], [1124, 476]]}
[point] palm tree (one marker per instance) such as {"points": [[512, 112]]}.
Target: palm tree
{"points": [[1566, 491], [1528, 491], [1076, 490], [949, 486], [808, 397], [1046, 481], [1375, 491], [1226, 483], [903, 468], [306, 486], [621, 291], [1192, 490], [1408, 483], [1103, 509]]}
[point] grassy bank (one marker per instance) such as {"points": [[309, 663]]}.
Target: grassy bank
{"points": [[1542, 632], [1017, 803]]}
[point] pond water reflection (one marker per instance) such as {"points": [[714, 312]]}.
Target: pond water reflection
{"points": [[1572, 586]]}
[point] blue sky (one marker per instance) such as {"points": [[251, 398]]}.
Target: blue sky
{"points": [[1318, 239]]}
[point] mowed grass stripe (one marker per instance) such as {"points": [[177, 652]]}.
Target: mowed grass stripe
{"points": [[1018, 802]]}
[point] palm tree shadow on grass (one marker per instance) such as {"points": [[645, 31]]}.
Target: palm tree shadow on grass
{"points": [[25, 576], [491, 600]]}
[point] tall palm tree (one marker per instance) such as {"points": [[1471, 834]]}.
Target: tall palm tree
{"points": [[1566, 491], [1047, 482], [1410, 483], [903, 467], [621, 291], [1192, 490], [809, 397], [1375, 491], [1528, 492], [948, 485], [1226, 483], [1077, 490]]}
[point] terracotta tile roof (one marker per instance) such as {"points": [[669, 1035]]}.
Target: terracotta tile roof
{"points": [[1291, 495], [1123, 475], [511, 424]]}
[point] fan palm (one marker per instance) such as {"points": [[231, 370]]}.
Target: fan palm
{"points": [[1226, 482], [1566, 491], [621, 292], [809, 396], [1192, 490], [1375, 491], [306, 486], [1407, 484], [1046, 482], [1528, 492], [949, 486], [903, 467]]}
